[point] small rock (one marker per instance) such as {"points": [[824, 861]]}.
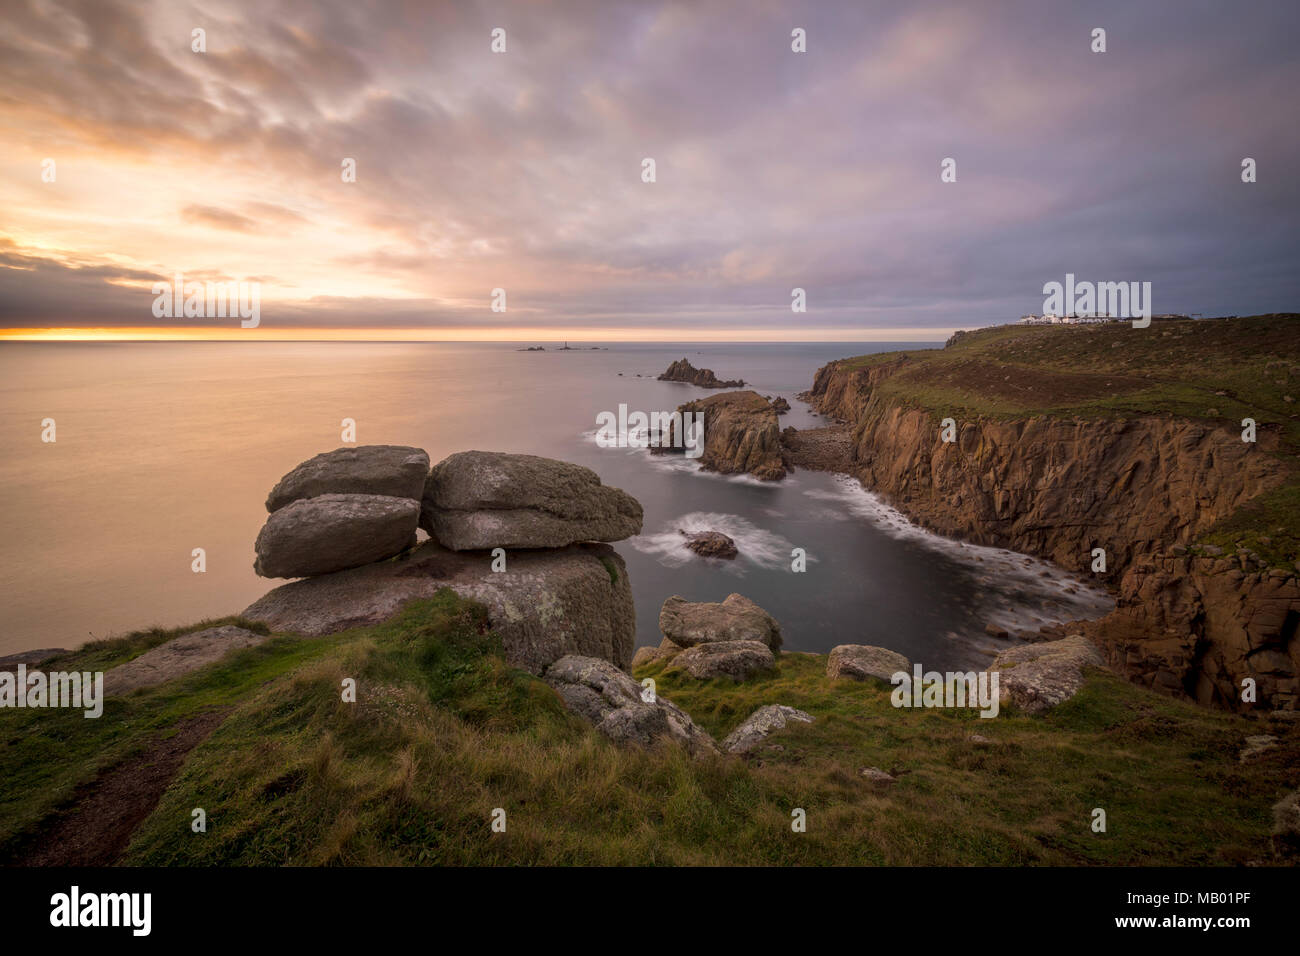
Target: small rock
{"points": [[876, 775], [758, 725], [738, 660], [1286, 825], [647, 654], [860, 661], [688, 623], [1256, 745], [980, 740], [611, 700], [1035, 677], [710, 544]]}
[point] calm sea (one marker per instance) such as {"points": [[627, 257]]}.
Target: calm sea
{"points": [[166, 447]]}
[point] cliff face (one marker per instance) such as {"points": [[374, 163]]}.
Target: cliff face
{"points": [[741, 435], [1059, 487], [1196, 626]]}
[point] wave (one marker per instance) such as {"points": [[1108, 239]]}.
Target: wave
{"points": [[756, 546], [1018, 592]]}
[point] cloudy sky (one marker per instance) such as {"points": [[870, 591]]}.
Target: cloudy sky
{"points": [[522, 170]]}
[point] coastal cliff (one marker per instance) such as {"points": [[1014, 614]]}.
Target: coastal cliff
{"points": [[1052, 457]]}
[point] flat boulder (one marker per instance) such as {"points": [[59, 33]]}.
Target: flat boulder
{"points": [[480, 499], [612, 702], [396, 471], [328, 533], [1036, 677], [737, 660], [687, 623], [860, 661], [546, 604], [758, 725], [178, 657]]}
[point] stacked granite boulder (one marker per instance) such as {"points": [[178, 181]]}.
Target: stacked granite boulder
{"points": [[342, 509], [346, 522], [735, 638], [483, 499]]}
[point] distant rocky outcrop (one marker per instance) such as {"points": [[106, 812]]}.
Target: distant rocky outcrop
{"points": [[780, 404], [735, 660], [558, 595], [860, 661], [710, 544], [396, 471], [684, 371], [480, 499], [333, 533], [760, 724], [616, 705], [687, 623], [1036, 677], [741, 435]]}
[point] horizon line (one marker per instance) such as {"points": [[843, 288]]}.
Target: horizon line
{"points": [[584, 337]]}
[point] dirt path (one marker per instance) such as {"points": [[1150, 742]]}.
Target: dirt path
{"points": [[105, 812]]}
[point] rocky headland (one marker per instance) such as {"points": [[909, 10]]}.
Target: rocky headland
{"points": [[1069, 440]]}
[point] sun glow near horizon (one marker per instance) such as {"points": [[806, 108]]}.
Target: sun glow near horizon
{"points": [[584, 336]]}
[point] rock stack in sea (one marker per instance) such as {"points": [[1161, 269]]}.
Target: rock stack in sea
{"points": [[741, 435], [684, 371], [346, 522]]}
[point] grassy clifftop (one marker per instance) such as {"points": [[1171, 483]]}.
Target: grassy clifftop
{"points": [[1216, 371], [444, 732]]}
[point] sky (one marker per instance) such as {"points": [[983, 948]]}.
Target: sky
{"points": [[522, 170]]}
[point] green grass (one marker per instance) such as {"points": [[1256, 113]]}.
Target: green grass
{"points": [[444, 732], [1216, 371]]}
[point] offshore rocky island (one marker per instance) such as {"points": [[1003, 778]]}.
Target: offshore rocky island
{"points": [[460, 640]]}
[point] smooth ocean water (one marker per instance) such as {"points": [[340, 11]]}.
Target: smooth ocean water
{"points": [[167, 447]]}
